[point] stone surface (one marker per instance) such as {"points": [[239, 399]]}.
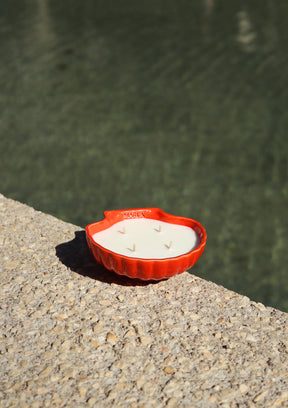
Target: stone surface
{"points": [[74, 334]]}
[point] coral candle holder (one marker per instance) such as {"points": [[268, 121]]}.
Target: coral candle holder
{"points": [[146, 243]]}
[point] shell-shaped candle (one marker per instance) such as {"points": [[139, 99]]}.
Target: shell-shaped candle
{"points": [[146, 243]]}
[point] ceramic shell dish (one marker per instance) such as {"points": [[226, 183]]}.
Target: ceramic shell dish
{"points": [[144, 269]]}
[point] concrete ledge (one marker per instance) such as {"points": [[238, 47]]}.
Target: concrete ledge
{"points": [[73, 334]]}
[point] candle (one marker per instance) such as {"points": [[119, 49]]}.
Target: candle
{"points": [[147, 238], [146, 243]]}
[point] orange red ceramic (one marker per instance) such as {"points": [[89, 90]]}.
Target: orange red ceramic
{"points": [[144, 269]]}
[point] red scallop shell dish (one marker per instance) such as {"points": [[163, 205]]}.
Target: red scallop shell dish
{"points": [[138, 268]]}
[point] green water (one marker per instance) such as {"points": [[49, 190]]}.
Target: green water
{"points": [[178, 105]]}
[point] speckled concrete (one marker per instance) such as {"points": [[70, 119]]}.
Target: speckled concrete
{"points": [[74, 334]]}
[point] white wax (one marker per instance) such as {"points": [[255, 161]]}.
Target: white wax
{"points": [[148, 239]]}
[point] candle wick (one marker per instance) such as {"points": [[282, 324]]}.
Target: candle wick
{"points": [[158, 229], [134, 248], [123, 231], [170, 245]]}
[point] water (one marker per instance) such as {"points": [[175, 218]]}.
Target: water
{"points": [[178, 105]]}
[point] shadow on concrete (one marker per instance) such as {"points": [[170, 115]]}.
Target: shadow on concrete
{"points": [[76, 256]]}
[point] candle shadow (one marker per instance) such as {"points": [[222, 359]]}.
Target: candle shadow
{"points": [[76, 256]]}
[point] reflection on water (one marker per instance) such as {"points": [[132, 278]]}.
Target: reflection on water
{"points": [[180, 105], [246, 36]]}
